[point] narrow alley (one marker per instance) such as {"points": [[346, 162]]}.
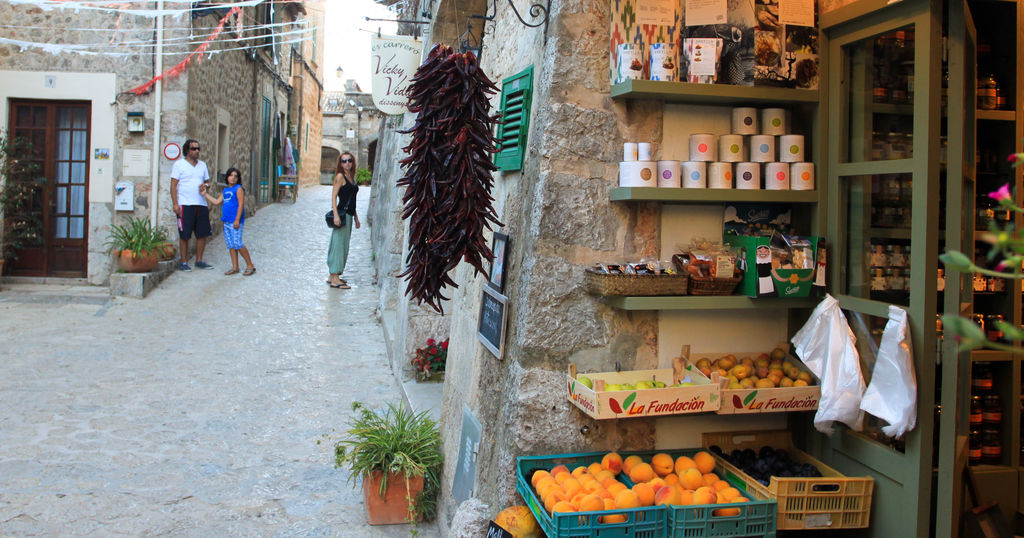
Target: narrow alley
{"points": [[202, 409]]}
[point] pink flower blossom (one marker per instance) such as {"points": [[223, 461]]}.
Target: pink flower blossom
{"points": [[1002, 194], [1001, 266]]}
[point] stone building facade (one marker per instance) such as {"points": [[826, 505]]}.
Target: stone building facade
{"points": [[557, 214], [219, 98], [350, 123]]}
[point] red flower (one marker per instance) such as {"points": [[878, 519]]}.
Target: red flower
{"points": [[431, 342], [432, 350], [444, 345]]}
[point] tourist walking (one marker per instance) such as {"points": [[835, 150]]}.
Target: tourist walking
{"points": [[343, 194]]}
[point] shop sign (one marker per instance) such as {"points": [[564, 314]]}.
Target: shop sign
{"points": [[394, 60]]}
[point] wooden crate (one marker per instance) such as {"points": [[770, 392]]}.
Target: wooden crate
{"points": [[702, 397], [755, 400], [832, 501]]}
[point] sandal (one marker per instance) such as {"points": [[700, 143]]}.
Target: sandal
{"points": [[249, 271], [231, 272]]}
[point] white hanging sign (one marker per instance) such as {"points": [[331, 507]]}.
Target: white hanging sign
{"points": [[394, 60]]}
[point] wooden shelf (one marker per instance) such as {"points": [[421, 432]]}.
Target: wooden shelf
{"points": [[699, 302], [889, 233], [996, 115], [710, 94], [989, 355], [710, 196], [890, 108]]}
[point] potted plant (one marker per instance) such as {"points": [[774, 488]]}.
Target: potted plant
{"points": [[20, 183], [430, 360], [138, 245], [397, 454]]}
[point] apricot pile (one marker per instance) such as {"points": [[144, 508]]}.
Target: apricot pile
{"points": [[766, 371], [663, 480]]}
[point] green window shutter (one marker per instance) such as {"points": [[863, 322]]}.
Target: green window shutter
{"points": [[516, 95]]}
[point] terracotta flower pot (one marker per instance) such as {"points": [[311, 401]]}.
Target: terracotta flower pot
{"points": [[143, 263], [393, 508], [168, 251]]}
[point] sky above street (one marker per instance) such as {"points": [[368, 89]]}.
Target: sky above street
{"points": [[347, 40]]}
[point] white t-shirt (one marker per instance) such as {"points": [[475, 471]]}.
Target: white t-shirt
{"points": [[189, 179]]}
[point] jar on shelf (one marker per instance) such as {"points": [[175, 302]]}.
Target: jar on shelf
{"points": [[981, 381], [988, 92], [991, 446], [991, 411], [941, 284], [974, 418], [992, 330], [974, 450]]}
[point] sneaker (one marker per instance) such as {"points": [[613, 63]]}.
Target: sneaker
{"points": [[184, 267], [203, 265]]}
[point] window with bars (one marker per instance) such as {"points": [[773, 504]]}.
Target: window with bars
{"points": [[516, 96]]}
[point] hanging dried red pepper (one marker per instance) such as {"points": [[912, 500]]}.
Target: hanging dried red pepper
{"points": [[448, 172]]}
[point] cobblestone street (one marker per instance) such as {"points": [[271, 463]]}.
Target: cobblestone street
{"points": [[201, 409]]}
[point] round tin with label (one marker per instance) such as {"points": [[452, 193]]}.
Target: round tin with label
{"points": [[702, 147], [776, 176], [748, 176], [744, 121], [669, 173], [762, 148], [694, 175], [731, 148]]}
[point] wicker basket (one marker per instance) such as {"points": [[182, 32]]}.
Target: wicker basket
{"points": [[709, 285], [635, 285]]}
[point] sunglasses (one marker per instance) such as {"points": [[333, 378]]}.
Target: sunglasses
{"points": [[346, 160], [196, 148]]}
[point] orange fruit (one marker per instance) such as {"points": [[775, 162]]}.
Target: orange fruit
{"points": [[683, 463], [685, 497], [691, 479], [577, 499], [662, 464], [594, 468], [627, 464], [548, 488], [626, 499], [705, 462], [572, 487], [562, 476], [710, 479], [544, 482], [557, 469], [720, 512], [612, 461], [741, 500], [562, 506], [554, 498], [602, 475], [537, 476], [615, 488], [656, 484], [579, 471], [612, 518], [729, 494], [720, 485], [607, 482], [641, 472], [705, 495], [591, 486], [671, 479], [668, 495], [591, 503], [645, 494], [604, 494]]}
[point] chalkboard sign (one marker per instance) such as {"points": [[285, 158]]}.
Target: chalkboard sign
{"points": [[491, 328], [469, 445], [494, 531]]}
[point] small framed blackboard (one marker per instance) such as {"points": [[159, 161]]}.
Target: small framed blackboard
{"points": [[494, 531], [500, 249], [491, 326]]}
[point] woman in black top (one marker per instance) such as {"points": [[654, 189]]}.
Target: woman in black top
{"points": [[344, 194]]}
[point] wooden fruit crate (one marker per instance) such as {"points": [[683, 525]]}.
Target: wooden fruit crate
{"points": [[832, 501], [761, 400], [702, 397]]}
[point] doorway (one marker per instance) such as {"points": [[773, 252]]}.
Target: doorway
{"points": [[56, 134]]}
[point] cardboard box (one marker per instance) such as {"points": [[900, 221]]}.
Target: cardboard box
{"points": [[630, 26], [761, 400], [701, 397], [778, 279]]}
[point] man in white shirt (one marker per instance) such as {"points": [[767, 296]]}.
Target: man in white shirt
{"points": [[187, 176]]}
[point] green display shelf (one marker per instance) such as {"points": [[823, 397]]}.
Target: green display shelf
{"points": [[700, 302], [710, 94], [990, 355], [710, 196], [996, 115]]}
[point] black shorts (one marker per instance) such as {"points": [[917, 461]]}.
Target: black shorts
{"points": [[194, 218]]}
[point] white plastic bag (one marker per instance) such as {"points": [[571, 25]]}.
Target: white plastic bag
{"points": [[892, 394], [827, 346]]}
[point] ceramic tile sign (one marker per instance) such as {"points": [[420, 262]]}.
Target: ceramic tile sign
{"points": [[643, 23], [786, 44], [734, 39]]}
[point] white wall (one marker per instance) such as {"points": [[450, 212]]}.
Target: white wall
{"points": [[98, 88]]}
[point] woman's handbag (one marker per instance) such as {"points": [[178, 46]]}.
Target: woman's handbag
{"points": [[329, 217]]}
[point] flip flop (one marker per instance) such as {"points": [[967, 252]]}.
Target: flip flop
{"points": [[249, 271], [336, 285], [231, 272]]}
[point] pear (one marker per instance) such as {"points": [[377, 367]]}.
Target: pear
{"points": [[628, 386], [659, 385], [612, 387], [585, 381], [644, 385]]}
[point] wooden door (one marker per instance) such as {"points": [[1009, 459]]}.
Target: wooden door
{"points": [[56, 136]]}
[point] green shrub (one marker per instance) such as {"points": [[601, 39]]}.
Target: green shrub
{"points": [[363, 177]]}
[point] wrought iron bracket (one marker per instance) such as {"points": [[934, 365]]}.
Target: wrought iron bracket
{"points": [[539, 12]]}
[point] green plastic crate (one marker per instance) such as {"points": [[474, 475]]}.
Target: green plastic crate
{"points": [[756, 518]]}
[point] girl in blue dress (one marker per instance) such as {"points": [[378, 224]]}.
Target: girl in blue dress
{"points": [[233, 217]]}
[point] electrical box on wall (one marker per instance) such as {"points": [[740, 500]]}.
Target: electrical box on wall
{"points": [[124, 197]]}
